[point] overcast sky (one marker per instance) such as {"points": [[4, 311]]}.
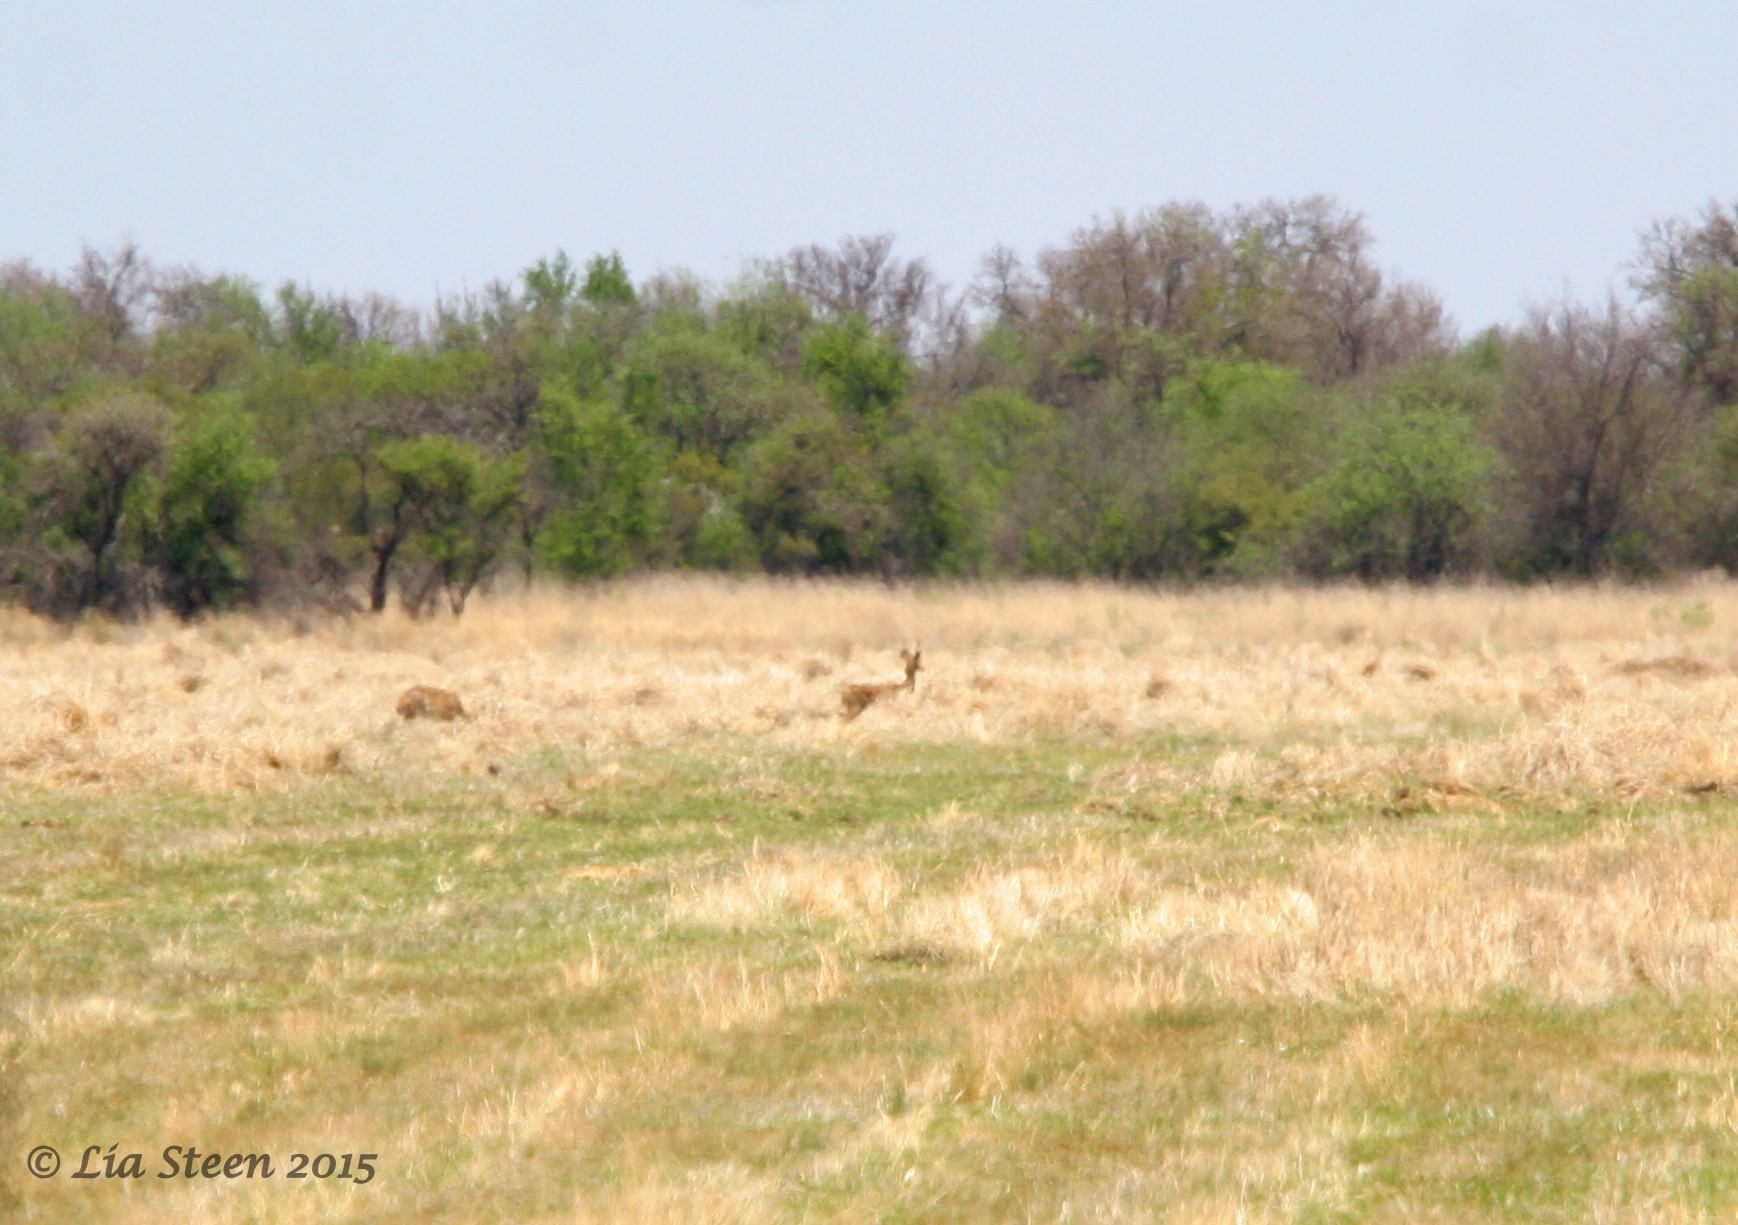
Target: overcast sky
{"points": [[1502, 152]]}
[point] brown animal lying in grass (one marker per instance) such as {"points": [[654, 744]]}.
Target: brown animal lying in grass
{"points": [[427, 702], [855, 699]]}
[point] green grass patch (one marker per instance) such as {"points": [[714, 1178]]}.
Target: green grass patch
{"points": [[910, 984]]}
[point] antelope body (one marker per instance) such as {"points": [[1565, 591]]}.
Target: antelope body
{"points": [[855, 699], [427, 702]]}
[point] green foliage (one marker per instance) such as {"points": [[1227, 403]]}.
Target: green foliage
{"points": [[1070, 510], [551, 285], [607, 282], [861, 371], [96, 492], [14, 499], [1252, 438], [311, 327], [930, 530], [463, 502], [993, 433], [812, 498], [995, 440], [213, 333], [766, 321], [1406, 497], [1704, 323], [426, 388], [568, 328], [1689, 271], [1213, 481], [704, 528], [722, 540], [1182, 393], [1701, 494], [1487, 351], [210, 493], [46, 347], [700, 393], [603, 474]]}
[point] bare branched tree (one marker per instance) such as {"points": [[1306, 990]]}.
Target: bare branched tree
{"points": [[861, 276], [186, 299], [113, 289], [1307, 293], [377, 317], [1154, 271], [1690, 272], [1587, 422], [1004, 288], [1128, 299]]}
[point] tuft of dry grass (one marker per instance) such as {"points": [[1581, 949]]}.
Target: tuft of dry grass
{"points": [[1391, 917]]}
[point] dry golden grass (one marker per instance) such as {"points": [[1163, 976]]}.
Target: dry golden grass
{"points": [[1459, 691], [1398, 918]]}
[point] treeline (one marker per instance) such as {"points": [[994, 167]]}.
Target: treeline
{"points": [[1182, 394]]}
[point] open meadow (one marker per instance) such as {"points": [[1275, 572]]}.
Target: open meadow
{"points": [[1222, 906]]}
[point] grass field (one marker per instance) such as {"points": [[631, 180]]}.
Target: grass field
{"points": [[1245, 906]]}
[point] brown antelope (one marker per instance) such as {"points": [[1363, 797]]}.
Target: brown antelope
{"points": [[855, 699], [427, 702]]}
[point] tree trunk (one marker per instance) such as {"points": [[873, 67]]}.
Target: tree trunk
{"points": [[377, 586]]}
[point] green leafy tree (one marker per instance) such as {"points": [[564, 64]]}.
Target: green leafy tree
{"points": [[1093, 499], [700, 393], [14, 520], [992, 435], [464, 504], [1406, 498], [930, 528], [382, 515], [704, 528], [1252, 437], [813, 499], [551, 285], [212, 331], [1213, 481], [994, 441], [568, 324], [96, 490], [607, 282], [331, 421], [602, 474], [209, 496], [1705, 327], [767, 320], [47, 345], [861, 372], [311, 326], [1700, 494]]}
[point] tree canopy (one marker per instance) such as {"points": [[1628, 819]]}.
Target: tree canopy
{"points": [[1175, 394]]}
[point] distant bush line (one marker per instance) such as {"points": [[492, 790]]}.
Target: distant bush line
{"points": [[1182, 394]]}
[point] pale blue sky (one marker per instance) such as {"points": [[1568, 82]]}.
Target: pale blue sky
{"points": [[1502, 152]]}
